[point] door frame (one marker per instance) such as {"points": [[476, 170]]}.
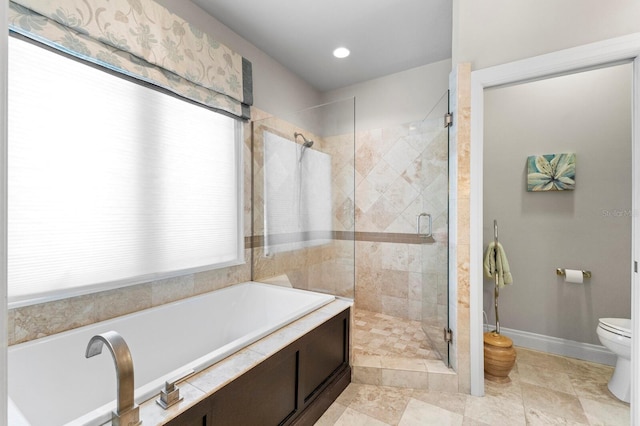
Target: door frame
{"points": [[4, 394], [590, 56]]}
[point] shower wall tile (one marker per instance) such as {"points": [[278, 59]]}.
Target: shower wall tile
{"points": [[367, 195], [401, 257], [403, 172], [368, 288], [246, 152], [382, 214], [415, 286], [329, 268], [368, 254], [415, 310], [414, 258], [381, 176], [401, 223], [414, 172], [343, 179], [342, 150], [369, 150], [395, 306], [401, 193], [345, 215], [401, 175], [395, 284], [410, 214], [401, 155]]}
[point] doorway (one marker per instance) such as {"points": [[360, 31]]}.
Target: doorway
{"points": [[583, 120], [568, 61]]}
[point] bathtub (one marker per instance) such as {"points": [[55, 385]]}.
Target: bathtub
{"points": [[52, 383]]}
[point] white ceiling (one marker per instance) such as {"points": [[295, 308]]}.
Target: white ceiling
{"points": [[384, 36]]}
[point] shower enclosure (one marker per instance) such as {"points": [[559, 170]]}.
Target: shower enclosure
{"points": [[303, 199], [360, 215], [402, 237]]}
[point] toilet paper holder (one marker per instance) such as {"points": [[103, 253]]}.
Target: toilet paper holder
{"points": [[560, 271]]}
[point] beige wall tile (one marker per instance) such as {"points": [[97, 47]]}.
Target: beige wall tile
{"points": [[463, 141], [363, 360], [172, 289], [122, 301], [405, 379], [11, 335], [35, 321], [443, 382], [395, 306], [366, 375]]}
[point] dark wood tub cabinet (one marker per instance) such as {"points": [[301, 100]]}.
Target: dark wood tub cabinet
{"points": [[292, 387]]}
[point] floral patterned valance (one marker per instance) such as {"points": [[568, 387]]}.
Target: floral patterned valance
{"points": [[144, 40]]}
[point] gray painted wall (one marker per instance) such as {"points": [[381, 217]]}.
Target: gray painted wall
{"points": [[589, 228]]}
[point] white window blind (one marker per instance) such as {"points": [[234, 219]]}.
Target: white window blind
{"points": [[112, 183]]}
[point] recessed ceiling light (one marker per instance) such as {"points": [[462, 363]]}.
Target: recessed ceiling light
{"points": [[341, 52]]}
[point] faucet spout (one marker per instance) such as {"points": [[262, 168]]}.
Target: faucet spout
{"points": [[127, 412]]}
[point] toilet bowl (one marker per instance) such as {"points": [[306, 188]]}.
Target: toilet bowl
{"points": [[615, 335]]}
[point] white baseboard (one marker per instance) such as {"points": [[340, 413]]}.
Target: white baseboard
{"points": [[558, 346]]}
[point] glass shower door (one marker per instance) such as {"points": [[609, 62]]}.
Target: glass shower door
{"points": [[434, 198]]}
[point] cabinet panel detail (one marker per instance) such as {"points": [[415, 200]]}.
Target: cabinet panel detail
{"points": [[292, 387]]}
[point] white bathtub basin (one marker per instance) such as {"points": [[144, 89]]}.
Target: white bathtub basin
{"points": [[52, 383]]}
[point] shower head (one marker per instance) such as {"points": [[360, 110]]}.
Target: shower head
{"points": [[307, 143]]}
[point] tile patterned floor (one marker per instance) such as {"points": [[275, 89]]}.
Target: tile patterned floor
{"points": [[381, 335], [544, 390]]}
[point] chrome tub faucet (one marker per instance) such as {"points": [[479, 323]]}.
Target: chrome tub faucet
{"points": [[127, 412]]}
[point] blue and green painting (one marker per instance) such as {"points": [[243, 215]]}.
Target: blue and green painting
{"points": [[551, 172]]}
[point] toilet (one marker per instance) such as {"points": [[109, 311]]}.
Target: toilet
{"points": [[615, 335]]}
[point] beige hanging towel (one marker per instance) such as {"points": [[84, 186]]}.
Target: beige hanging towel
{"points": [[495, 262]]}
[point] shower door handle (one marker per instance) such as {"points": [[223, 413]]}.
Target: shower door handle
{"points": [[418, 227]]}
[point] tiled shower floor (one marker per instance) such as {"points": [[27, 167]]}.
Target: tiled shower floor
{"points": [[381, 335]]}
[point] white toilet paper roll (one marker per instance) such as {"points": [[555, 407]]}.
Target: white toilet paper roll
{"points": [[573, 276]]}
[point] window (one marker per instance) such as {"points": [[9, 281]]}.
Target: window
{"points": [[111, 182]]}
